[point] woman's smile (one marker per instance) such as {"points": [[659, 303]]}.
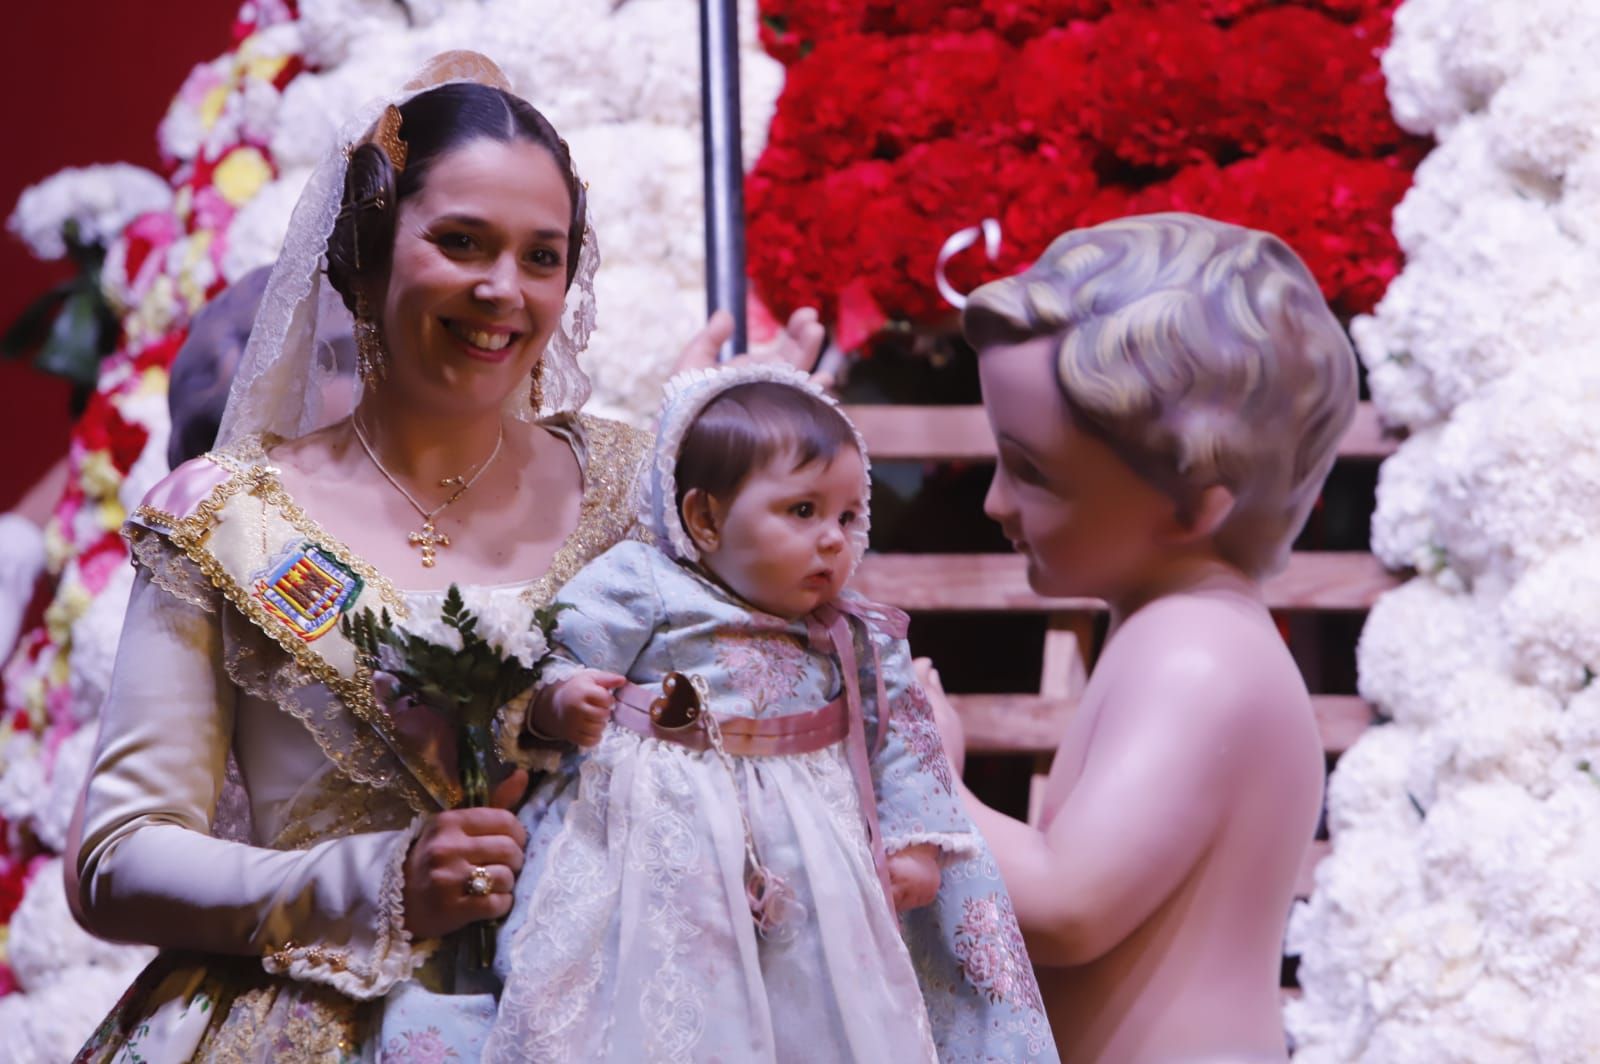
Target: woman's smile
{"points": [[486, 343]]}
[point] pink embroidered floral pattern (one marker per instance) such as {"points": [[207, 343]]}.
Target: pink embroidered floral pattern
{"points": [[991, 952], [419, 1047], [766, 667], [915, 718]]}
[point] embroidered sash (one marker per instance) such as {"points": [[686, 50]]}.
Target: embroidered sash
{"points": [[294, 582]]}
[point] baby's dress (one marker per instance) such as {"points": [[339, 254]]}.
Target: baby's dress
{"points": [[632, 937]]}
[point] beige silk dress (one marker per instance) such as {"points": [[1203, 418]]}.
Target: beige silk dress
{"points": [[279, 942]]}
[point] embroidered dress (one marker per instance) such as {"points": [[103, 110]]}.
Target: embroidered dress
{"points": [[288, 945], [633, 936]]}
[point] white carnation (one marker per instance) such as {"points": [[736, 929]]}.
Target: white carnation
{"points": [[1519, 470], [50, 1025], [1551, 619], [1493, 729], [93, 648], [23, 785], [507, 626], [1459, 174], [46, 943], [643, 320], [334, 29], [146, 407], [1402, 522], [1417, 639], [256, 233], [433, 630], [1368, 785], [101, 200], [1548, 116], [68, 772], [1423, 93]]}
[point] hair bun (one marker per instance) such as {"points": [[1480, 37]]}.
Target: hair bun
{"points": [[459, 65]]}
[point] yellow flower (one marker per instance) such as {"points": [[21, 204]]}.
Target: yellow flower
{"points": [[154, 382], [211, 107], [56, 548], [111, 514], [259, 67], [33, 699], [99, 475], [71, 602], [241, 173]]}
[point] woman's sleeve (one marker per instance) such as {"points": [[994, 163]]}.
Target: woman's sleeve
{"points": [[612, 613], [149, 869], [917, 801]]}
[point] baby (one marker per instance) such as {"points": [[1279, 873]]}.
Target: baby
{"points": [[1167, 394], [717, 878]]}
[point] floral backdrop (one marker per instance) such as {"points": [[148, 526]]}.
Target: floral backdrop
{"points": [[622, 84], [1452, 922], [903, 122]]}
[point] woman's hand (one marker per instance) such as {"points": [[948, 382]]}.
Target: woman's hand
{"points": [[798, 344], [450, 846], [576, 709], [914, 876], [951, 731]]}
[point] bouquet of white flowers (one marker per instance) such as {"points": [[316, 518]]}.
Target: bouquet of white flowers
{"points": [[464, 665]]}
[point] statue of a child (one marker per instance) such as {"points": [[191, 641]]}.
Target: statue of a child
{"points": [[1167, 393]]}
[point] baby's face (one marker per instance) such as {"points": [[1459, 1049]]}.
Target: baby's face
{"points": [[782, 541], [1087, 523]]}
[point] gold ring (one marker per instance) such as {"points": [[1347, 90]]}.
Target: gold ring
{"points": [[478, 882]]}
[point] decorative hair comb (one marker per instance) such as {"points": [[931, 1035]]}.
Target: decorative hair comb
{"points": [[386, 135]]}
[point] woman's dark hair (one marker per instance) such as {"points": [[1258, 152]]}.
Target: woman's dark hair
{"points": [[749, 425], [432, 124]]}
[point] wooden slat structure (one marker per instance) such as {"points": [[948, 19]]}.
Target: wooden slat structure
{"points": [[1320, 582], [961, 434]]}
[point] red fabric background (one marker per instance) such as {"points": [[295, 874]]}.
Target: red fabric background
{"points": [[80, 84]]}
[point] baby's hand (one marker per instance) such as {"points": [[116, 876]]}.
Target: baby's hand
{"points": [[577, 708], [914, 876]]}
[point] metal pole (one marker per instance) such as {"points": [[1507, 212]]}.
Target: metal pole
{"points": [[724, 166]]}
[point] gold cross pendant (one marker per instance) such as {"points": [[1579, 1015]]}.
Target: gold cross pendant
{"points": [[428, 539]]}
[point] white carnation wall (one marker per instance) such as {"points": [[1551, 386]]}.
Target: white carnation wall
{"points": [[1454, 919]]}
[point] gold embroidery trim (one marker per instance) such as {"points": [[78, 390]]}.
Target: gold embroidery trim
{"points": [[615, 452], [190, 534]]}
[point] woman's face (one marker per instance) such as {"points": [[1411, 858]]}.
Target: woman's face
{"points": [[478, 276]]}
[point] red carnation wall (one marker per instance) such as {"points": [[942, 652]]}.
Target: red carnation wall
{"points": [[902, 122], [83, 85]]}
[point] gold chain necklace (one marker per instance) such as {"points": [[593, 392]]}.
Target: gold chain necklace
{"points": [[430, 538]]}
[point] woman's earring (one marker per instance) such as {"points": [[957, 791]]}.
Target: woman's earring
{"points": [[536, 387], [370, 357]]}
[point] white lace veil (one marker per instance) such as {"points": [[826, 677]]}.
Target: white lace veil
{"points": [[290, 380]]}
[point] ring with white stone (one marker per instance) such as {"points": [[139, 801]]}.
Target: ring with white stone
{"points": [[478, 881]]}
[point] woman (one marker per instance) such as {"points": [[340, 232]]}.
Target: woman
{"points": [[456, 239]]}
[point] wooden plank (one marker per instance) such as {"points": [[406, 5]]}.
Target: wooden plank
{"points": [[983, 583], [1308, 867], [961, 433], [1033, 724], [1341, 719], [1064, 671], [1012, 724]]}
